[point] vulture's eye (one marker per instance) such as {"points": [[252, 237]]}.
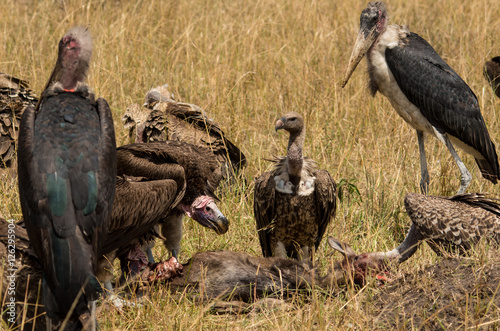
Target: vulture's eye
{"points": [[293, 119], [207, 208]]}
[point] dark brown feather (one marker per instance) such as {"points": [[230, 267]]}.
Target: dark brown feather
{"points": [[492, 74], [456, 222], [15, 96], [163, 118], [288, 212]]}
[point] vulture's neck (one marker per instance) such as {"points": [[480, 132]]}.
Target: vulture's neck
{"points": [[295, 159]]}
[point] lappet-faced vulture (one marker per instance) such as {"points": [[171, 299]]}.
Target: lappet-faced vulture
{"points": [[162, 118], [188, 174], [295, 202], [15, 96], [67, 174]]}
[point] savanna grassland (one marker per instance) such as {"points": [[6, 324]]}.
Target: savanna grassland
{"points": [[247, 62]]}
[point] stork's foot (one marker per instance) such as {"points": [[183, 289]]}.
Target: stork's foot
{"points": [[424, 185], [165, 270]]}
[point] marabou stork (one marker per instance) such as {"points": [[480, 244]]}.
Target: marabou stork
{"points": [[67, 174], [425, 92]]}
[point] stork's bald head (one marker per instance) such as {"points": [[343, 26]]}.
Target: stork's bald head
{"points": [[75, 51]]}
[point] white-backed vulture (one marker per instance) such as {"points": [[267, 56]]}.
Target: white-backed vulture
{"points": [[162, 118], [295, 202], [15, 96], [67, 174], [452, 224]]}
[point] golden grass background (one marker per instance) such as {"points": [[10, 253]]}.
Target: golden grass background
{"points": [[246, 63]]}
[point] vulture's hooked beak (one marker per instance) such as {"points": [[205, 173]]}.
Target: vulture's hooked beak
{"points": [[209, 215], [280, 124], [366, 38]]}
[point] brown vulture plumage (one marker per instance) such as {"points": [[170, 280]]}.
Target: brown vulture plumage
{"points": [[67, 174], [162, 118], [452, 224], [15, 96], [295, 202], [492, 74]]}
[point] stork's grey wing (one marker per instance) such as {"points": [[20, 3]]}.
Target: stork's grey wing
{"points": [[326, 200], [444, 99], [263, 207]]}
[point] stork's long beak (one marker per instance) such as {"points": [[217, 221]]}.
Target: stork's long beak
{"points": [[365, 40]]}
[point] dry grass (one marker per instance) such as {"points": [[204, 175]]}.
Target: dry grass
{"points": [[245, 63]]}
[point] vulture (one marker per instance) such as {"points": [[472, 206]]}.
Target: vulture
{"points": [[492, 74], [15, 96], [295, 202], [452, 224], [159, 183], [425, 91], [162, 118], [67, 175], [21, 279]]}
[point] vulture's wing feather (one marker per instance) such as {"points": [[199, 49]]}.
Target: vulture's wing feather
{"points": [[138, 206], [326, 201], [263, 206]]}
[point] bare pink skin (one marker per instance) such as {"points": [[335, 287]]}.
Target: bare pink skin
{"points": [[204, 210]]}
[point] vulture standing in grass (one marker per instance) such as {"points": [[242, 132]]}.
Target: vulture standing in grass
{"points": [[188, 176], [67, 174], [452, 224], [15, 96], [425, 91], [295, 202], [492, 74], [162, 118]]}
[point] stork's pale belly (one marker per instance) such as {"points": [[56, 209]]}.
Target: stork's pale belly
{"points": [[388, 86]]}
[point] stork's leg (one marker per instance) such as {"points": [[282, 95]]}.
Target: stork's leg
{"points": [[465, 174], [424, 174]]}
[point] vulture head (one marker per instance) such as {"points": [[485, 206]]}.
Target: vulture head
{"points": [[291, 122], [373, 22], [75, 51], [204, 210], [358, 266]]}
